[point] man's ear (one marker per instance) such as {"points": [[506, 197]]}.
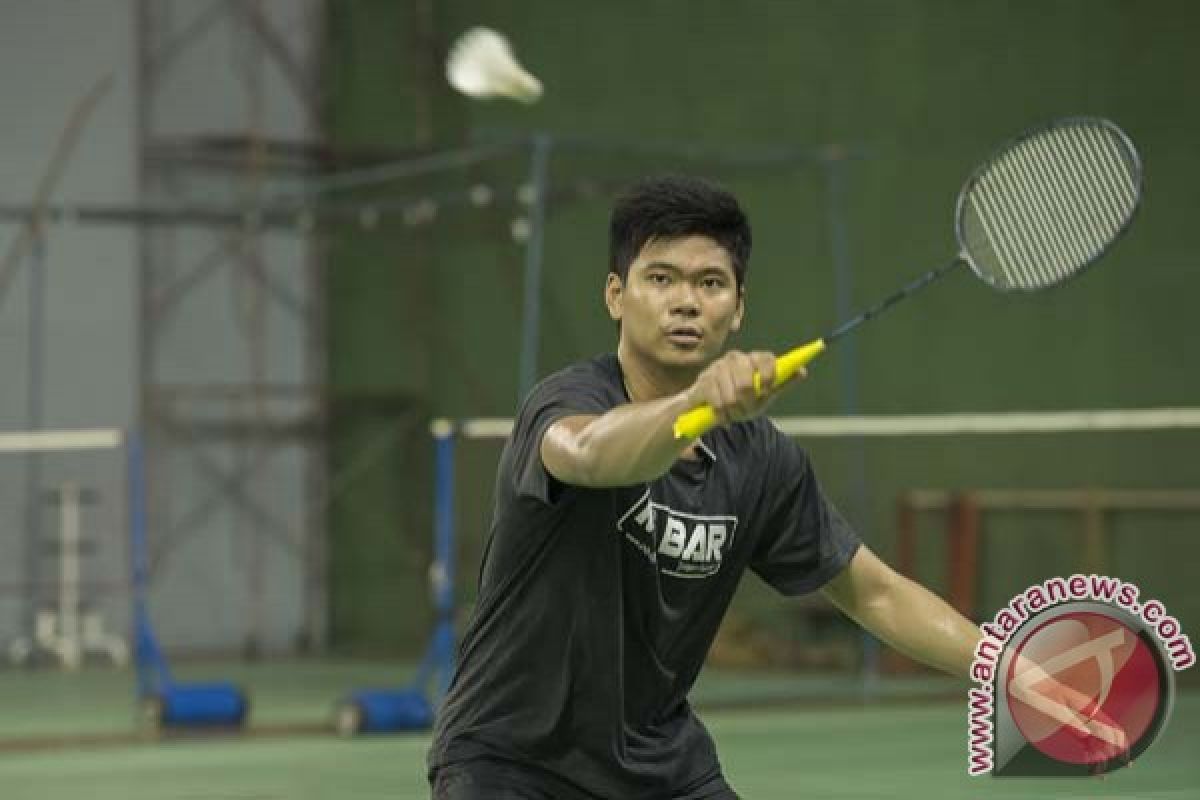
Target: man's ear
{"points": [[614, 296], [736, 324]]}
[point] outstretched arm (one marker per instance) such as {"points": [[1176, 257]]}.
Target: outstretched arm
{"points": [[636, 442], [924, 627], [904, 614]]}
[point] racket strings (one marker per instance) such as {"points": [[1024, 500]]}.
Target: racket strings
{"points": [[1050, 205]]}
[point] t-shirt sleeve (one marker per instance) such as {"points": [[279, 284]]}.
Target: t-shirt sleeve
{"points": [[572, 392], [805, 541]]}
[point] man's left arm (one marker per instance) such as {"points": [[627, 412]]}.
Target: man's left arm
{"points": [[904, 614], [926, 628]]}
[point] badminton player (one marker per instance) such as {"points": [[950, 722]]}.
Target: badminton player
{"points": [[615, 549]]}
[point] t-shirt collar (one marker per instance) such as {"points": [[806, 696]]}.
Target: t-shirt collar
{"points": [[700, 443]]}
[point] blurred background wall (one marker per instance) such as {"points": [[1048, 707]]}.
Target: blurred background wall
{"points": [[916, 93], [149, 303], [85, 375]]}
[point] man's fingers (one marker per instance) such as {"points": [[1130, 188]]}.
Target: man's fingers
{"points": [[727, 394], [797, 374], [743, 367], [742, 371], [1107, 746], [764, 368], [740, 385]]}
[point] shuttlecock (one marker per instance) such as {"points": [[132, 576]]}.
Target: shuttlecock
{"points": [[481, 64]]}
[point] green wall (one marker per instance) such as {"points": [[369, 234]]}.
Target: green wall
{"points": [[427, 322]]}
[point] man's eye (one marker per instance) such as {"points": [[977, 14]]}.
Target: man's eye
{"points": [[659, 278], [712, 283]]}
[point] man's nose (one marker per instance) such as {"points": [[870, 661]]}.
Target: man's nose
{"points": [[683, 300]]}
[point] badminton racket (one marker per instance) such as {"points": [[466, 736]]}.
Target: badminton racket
{"points": [[1045, 207]]}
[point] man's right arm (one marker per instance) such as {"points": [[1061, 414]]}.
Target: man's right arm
{"points": [[630, 444], [636, 443]]}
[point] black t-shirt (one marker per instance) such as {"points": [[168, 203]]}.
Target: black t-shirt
{"points": [[596, 607]]}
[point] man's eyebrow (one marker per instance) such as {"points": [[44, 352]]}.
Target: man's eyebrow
{"points": [[676, 268]]}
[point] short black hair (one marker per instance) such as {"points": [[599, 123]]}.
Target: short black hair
{"points": [[671, 206]]}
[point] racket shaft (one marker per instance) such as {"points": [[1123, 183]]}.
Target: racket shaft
{"points": [[694, 423]]}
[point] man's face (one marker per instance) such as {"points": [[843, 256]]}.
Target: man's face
{"points": [[678, 303]]}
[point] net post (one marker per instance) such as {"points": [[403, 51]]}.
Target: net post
{"points": [[70, 542], [443, 513], [150, 667], [442, 570]]}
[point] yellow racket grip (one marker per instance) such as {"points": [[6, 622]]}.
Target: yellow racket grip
{"points": [[694, 423], [787, 364]]}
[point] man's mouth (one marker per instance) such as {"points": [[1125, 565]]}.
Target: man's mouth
{"points": [[686, 337]]}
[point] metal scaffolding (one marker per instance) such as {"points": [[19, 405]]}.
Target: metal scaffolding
{"points": [[229, 424]]}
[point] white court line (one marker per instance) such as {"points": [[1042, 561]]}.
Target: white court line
{"points": [[49, 441]]}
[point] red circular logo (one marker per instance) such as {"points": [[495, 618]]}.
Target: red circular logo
{"points": [[1084, 688]]}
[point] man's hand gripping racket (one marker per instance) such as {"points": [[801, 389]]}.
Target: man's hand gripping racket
{"points": [[1042, 209], [739, 385]]}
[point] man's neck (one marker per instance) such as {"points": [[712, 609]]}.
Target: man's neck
{"points": [[644, 381]]}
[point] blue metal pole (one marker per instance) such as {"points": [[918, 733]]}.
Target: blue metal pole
{"points": [[150, 665], [443, 509], [443, 643]]}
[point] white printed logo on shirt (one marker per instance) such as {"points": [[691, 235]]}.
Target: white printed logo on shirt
{"points": [[682, 545]]}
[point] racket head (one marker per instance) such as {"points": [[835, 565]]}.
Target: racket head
{"points": [[1049, 204]]}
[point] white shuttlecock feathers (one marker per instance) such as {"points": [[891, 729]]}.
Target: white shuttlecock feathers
{"points": [[481, 64]]}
